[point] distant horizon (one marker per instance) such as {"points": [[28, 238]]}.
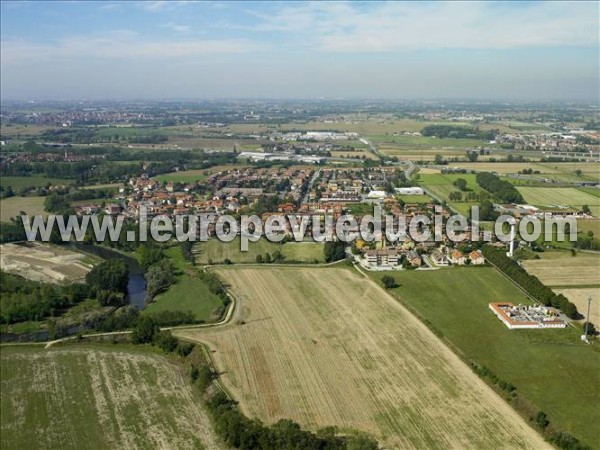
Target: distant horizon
{"points": [[466, 100], [530, 51]]}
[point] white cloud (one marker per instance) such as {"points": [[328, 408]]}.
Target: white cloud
{"points": [[109, 7], [178, 28], [162, 5], [124, 45], [381, 27]]}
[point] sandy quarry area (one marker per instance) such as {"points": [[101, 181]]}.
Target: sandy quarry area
{"points": [[43, 262]]}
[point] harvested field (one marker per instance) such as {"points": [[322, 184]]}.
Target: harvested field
{"points": [[562, 269], [580, 298], [12, 207], [43, 262], [329, 347], [98, 397]]}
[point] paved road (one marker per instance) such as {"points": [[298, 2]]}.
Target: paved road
{"points": [[314, 178]]}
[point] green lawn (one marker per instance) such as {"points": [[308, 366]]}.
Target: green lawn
{"points": [[217, 251], [550, 368], [189, 293]]}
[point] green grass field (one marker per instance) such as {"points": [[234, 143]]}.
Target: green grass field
{"points": [[24, 182], [542, 364], [553, 197], [98, 397], [440, 185], [184, 176], [11, 207], [420, 199], [218, 251], [189, 293]]}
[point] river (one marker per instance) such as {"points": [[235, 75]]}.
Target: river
{"points": [[136, 288]]}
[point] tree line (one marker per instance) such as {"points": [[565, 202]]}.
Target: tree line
{"points": [[502, 191], [458, 132]]}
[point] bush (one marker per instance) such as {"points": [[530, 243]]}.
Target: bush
{"points": [[165, 341], [184, 348], [388, 282]]}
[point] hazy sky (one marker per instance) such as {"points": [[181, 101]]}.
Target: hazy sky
{"points": [[514, 50]]}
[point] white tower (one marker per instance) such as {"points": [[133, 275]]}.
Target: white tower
{"points": [[511, 248]]}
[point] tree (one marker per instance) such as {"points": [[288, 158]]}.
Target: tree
{"points": [[111, 275], [165, 341], [586, 209], [159, 277], [334, 251], [267, 258], [455, 196], [144, 331], [388, 282], [472, 156], [259, 259], [439, 160], [461, 184]]}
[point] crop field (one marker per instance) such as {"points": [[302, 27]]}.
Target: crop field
{"points": [[562, 269], [184, 176], [580, 298], [12, 207], [363, 154], [542, 364], [558, 197], [17, 183], [218, 251], [98, 397], [18, 131], [43, 262], [440, 185], [328, 347], [427, 142], [420, 199]]}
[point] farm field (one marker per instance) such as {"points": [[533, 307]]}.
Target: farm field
{"points": [[17, 131], [580, 298], [17, 183], [98, 397], [43, 262], [562, 269], [553, 197], [12, 206], [183, 176], [327, 347], [427, 142], [218, 251], [440, 185], [420, 199], [542, 364], [365, 154]]}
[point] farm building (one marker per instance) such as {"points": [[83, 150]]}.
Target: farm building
{"points": [[527, 317]]}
